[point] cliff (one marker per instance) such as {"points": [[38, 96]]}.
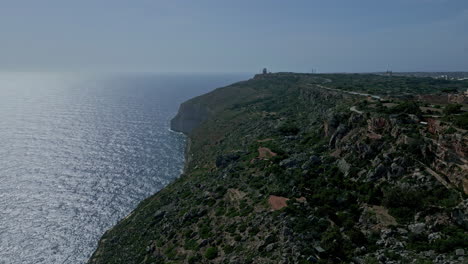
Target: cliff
{"points": [[299, 168], [190, 116], [193, 112]]}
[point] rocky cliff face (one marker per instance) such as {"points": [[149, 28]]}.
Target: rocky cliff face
{"points": [[283, 170], [190, 115]]}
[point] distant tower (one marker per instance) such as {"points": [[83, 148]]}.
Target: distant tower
{"points": [[389, 72], [265, 71]]}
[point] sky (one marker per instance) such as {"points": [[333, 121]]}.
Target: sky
{"points": [[234, 36]]}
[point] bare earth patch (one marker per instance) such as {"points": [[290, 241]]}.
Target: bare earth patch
{"points": [[389, 105], [277, 202], [336, 153], [264, 140], [433, 109], [376, 218], [373, 135], [384, 218], [265, 153]]}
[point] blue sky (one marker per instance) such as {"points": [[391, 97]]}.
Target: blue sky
{"points": [[234, 36]]}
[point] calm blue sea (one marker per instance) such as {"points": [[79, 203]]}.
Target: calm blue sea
{"points": [[79, 151]]}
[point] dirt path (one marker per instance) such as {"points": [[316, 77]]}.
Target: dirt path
{"points": [[354, 109], [349, 92]]}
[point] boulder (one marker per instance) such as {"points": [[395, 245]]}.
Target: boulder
{"points": [[417, 228], [319, 249], [377, 173], [433, 236], [159, 215], [339, 133], [396, 170], [269, 247], [293, 161], [344, 166]]}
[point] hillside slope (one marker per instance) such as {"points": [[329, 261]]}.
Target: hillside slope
{"points": [[297, 168]]}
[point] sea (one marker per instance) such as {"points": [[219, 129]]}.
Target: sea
{"points": [[79, 151]]}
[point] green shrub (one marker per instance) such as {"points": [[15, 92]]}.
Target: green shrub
{"points": [[242, 227], [357, 237], [456, 238], [220, 211], [450, 130], [332, 241], [407, 107], [418, 242], [371, 260], [209, 202], [393, 256], [233, 212], [461, 121], [246, 211], [205, 232], [194, 259], [450, 90], [288, 129], [190, 244], [231, 228], [452, 109], [423, 261], [402, 203], [253, 231], [170, 252], [211, 253], [228, 249]]}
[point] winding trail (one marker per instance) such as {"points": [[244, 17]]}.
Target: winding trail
{"points": [[353, 108]]}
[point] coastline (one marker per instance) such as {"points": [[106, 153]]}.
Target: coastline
{"points": [[245, 193]]}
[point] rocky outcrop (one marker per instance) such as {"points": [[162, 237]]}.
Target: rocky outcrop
{"points": [[450, 159]]}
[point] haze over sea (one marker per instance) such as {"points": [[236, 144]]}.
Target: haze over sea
{"points": [[78, 152]]}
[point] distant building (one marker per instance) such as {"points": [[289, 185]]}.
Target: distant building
{"points": [[265, 71]]}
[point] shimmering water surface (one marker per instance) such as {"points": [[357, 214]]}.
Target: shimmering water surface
{"points": [[79, 151]]}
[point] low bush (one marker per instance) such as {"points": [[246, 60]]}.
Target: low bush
{"points": [[288, 129], [190, 244], [452, 109], [194, 259], [402, 203], [211, 253], [406, 107], [461, 121]]}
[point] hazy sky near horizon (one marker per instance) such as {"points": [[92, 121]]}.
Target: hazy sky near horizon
{"points": [[233, 36]]}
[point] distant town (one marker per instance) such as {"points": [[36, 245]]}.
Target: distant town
{"points": [[437, 75]]}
